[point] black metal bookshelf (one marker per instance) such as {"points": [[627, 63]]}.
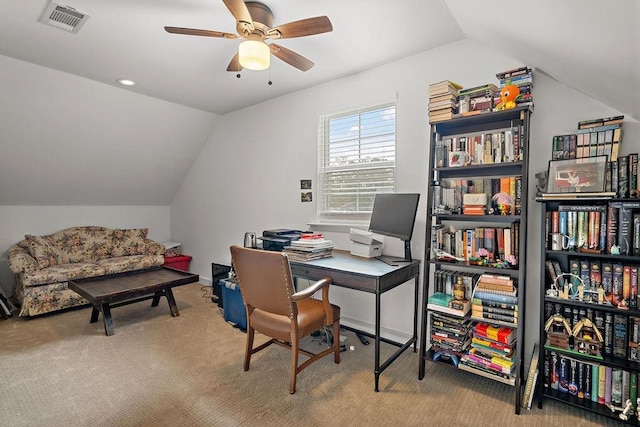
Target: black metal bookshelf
{"points": [[518, 118], [547, 300]]}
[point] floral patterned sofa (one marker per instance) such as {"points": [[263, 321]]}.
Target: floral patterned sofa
{"points": [[43, 264]]}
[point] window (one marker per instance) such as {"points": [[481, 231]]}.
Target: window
{"points": [[357, 159]]}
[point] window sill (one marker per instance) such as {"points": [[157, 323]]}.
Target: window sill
{"points": [[338, 227]]}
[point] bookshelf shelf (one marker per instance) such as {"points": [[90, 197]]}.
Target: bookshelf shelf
{"points": [[498, 146], [587, 405], [618, 352], [483, 268]]}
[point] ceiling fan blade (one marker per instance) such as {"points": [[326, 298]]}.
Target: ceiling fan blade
{"points": [[239, 11], [303, 27], [290, 57], [196, 32], [234, 65]]}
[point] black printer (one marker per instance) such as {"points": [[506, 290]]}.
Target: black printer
{"points": [[277, 239]]}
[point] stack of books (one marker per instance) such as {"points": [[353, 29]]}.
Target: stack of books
{"points": [[307, 249], [477, 99], [492, 353], [495, 298], [450, 333], [474, 204], [443, 100], [521, 77]]}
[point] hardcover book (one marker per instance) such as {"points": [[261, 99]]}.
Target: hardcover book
{"points": [[623, 177], [502, 335], [620, 341]]}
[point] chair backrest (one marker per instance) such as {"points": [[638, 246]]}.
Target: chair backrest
{"points": [[265, 280]]}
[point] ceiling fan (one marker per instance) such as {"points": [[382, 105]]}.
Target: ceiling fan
{"points": [[255, 25]]}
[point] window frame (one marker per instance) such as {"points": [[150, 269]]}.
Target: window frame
{"points": [[362, 143]]}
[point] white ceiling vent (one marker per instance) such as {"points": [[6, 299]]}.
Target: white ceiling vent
{"points": [[63, 17]]}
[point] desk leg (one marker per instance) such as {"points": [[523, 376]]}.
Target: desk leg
{"points": [[106, 318], [377, 345], [172, 302], [415, 316]]}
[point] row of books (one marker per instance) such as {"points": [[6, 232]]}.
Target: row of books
{"points": [[612, 228], [621, 176], [478, 99], [589, 381], [473, 243], [521, 77], [592, 280], [502, 146], [449, 195], [444, 281], [601, 140], [620, 331]]}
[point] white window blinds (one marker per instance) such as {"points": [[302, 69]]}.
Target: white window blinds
{"points": [[357, 159]]}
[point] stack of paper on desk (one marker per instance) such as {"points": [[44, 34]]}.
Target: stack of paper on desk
{"points": [[308, 249]]}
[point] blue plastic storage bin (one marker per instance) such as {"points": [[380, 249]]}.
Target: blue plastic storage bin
{"points": [[233, 306]]}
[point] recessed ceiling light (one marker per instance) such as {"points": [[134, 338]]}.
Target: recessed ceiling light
{"points": [[126, 82]]}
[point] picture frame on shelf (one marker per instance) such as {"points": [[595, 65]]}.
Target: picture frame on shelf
{"points": [[584, 175]]}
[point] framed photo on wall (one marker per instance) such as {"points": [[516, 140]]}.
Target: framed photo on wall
{"points": [[584, 175]]}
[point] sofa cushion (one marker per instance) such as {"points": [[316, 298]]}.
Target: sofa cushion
{"points": [[83, 244], [130, 263], [129, 241], [43, 250], [62, 273]]}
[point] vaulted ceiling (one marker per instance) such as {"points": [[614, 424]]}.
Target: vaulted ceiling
{"points": [[589, 45], [85, 140]]}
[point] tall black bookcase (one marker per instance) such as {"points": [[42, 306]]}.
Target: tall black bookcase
{"points": [[490, 164], [584, 261]]}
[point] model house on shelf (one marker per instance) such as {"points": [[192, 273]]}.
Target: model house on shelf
{"points": [[558, 331], [587, 338]]}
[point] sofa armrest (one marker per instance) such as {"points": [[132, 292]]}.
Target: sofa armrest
{"points": [[20, 260], [154, 248]]}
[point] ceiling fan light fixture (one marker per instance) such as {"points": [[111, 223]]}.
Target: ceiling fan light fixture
{"points": [[254, 55]]}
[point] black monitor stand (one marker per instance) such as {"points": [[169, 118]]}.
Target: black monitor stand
{"points": [[393, 261]]}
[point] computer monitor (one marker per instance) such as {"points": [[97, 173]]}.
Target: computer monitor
{"points": [[394, 215]]}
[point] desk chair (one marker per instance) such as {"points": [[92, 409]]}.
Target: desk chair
{"points": [[277, 311]]}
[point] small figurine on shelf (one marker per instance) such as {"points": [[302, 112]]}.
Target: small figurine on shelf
{"points": [[509, 94], [483, 256], [459, 301], [459, 290], [503, 202], [627, 411]]}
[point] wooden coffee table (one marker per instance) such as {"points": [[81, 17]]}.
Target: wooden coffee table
{"points": [[107, 292]]}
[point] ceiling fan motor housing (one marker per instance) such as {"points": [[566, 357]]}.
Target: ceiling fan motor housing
{"points": [[261, 15]]}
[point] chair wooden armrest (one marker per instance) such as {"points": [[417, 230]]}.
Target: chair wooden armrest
{"points": [[308, 292]]}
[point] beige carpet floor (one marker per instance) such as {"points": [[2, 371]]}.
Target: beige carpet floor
{"points": [[60, 370]]}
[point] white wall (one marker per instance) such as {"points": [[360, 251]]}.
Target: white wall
{"points": [[247, 176], [70, 141], [16, 221]]}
